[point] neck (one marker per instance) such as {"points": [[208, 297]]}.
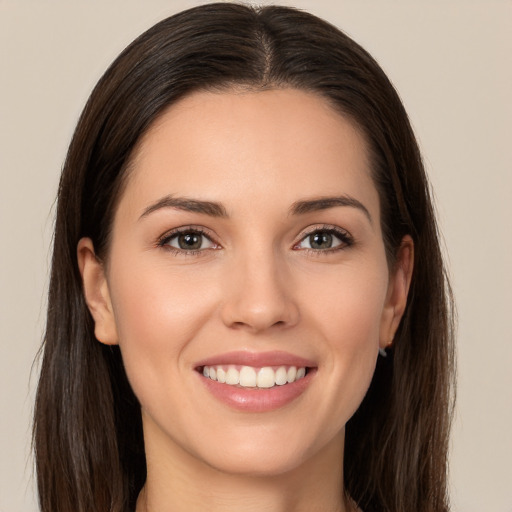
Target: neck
{"points": [[178, 482]]}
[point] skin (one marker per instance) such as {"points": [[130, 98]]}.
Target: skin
{"points": [[257, 286]]}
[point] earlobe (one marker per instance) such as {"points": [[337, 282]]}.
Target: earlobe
{"points": [[398, 290], [96, 292]]}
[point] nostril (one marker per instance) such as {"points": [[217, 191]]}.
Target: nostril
{"points": [[258, 303]]}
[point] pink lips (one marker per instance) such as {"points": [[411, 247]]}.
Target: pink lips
{"points": [[257, 400], [275, 358]]}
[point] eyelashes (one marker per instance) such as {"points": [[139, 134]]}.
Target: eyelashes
{"points": [[324, 239], [187, 240], [317, 240]]}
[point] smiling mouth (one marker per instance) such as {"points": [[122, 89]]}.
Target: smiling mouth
{"points": [[252, 377]]}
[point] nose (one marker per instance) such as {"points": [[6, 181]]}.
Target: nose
{"points": [[259, 295]]}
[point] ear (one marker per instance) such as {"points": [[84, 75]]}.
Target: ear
{"points": [[97, 295], [398, 289]]}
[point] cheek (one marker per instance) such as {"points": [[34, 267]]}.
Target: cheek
{"points": [[348, 317], [158, 311], [351, 303]]}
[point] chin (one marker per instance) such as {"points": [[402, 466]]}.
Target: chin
{"points": [[261, 465], [270, 455]]}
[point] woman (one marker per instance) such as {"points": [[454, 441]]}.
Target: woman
{"points": [[243, 225]]}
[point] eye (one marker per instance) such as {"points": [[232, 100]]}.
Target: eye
{"points": [[325, 239], [187, 240]]}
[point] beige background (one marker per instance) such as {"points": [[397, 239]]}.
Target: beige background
{"points": [[451, 62]]}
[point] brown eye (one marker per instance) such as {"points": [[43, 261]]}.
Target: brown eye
{"points": [[189, 241]]}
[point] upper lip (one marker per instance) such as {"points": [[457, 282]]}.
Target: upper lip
{"points": [[257, 359]]}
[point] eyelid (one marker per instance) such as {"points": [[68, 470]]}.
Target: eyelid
{"points": [[163, 240], [342, 234]]}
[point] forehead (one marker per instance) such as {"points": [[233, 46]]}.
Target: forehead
{"points": [[226, 145]]}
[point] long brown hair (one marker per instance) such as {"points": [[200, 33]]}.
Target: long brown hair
{"points": [[87, 428]]}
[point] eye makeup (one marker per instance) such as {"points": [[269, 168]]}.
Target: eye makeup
{"points": [[192, 240], [187, 241]]}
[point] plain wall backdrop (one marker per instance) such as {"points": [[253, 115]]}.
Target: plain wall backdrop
{"points": [[450, 61]]}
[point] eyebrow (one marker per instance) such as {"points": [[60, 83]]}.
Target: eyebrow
{"points": [[210, 208], [324, 203], [214, 209]]}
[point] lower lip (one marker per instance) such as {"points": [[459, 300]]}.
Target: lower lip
{"points": [[258, 400]]}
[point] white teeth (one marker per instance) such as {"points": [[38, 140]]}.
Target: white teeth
{"points": [[281, 377], [266, 378], [291, 374], [232, 376], [221, 375], [249, 377]]}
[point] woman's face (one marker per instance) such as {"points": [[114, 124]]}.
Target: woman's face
{"points": [[247, 248]]}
